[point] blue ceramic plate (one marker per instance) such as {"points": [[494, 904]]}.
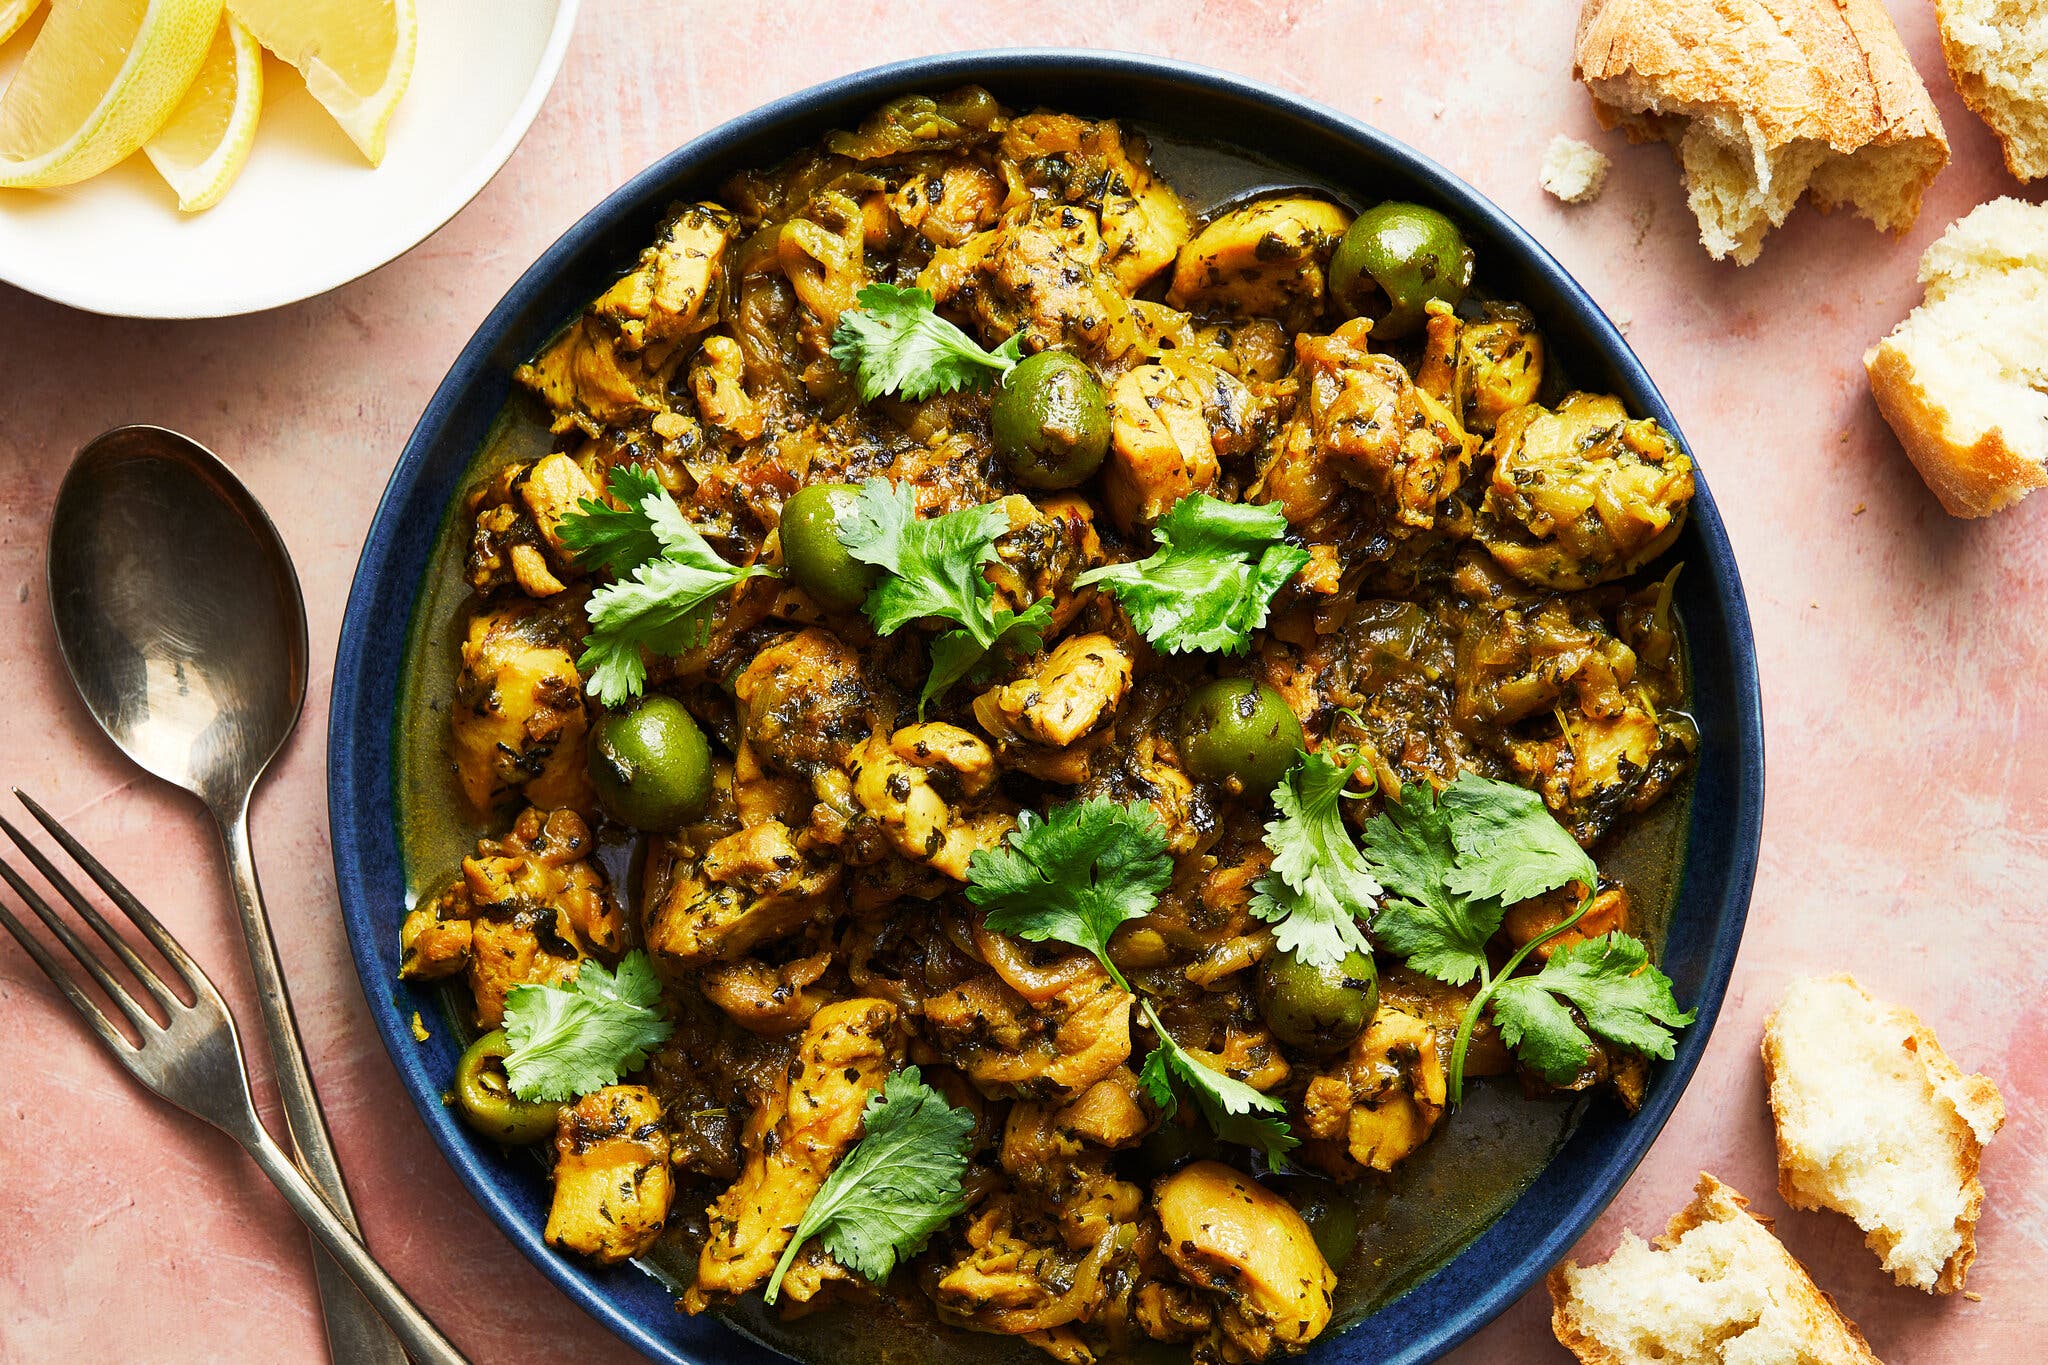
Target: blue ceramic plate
{"points": [[1184, 101]]}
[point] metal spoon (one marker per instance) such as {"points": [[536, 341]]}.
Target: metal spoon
{"points": [[180, 619]]}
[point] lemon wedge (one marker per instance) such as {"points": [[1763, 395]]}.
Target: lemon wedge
{"points": [[201, 150], [101, 76], [356, 56], [13, 14]]}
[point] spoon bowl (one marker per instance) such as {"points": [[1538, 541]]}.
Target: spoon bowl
{"points": [[179, 617], [177, 611]]}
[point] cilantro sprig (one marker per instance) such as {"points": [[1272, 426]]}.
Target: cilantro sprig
{"points": [[1235, 1111], [667, 578], [894, 342], [1610, 981], [1210, 582], [1451, 865], [1074, 876], [1320, 885], [894, 1189], [932, 568], [570, 1040]]}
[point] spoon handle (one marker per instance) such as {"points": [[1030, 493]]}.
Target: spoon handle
{"points": [[355, 1330]]}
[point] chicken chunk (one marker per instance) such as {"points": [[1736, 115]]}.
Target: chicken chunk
{"points": [[1262, 259], [1171, 424], [517, 725], [947, 209], [1102, 165], [518, 517], [749, 888], [611, 1175], [1062, 697], [1228, 1234], [1384, 1100], [588, 378], [806, 703], [914, 783], [1500, 367], [673, 292], [1011, 1047], [1363, 421], [1039, 271], [527, 909], [792, 1142], [1582, 495], [1049, 1163]]}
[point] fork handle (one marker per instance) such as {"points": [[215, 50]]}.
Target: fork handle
{"points": [[354, 1336], [422, 1340]]}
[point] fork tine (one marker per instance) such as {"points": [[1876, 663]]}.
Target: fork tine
{"points": [[120, 895], [91, 915], [68, 984], [87, 959]]}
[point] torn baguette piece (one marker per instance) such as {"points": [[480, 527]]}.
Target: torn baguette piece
{"points": [[1763, 100], [1716, 1287], [1876, 1122], [1964, 379], [1573, 170], [1997, 54]]}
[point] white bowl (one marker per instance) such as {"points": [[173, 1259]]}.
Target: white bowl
{"points": [[307, 213]]}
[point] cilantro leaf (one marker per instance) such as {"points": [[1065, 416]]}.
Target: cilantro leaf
{"points": [[932, 568], [1234, 1111], [1616, 990], [894, 341], [1208, 585], [599, 536], [667, 576], [664, 607], [897, 1186], [1074, 874], [1320, 885], [1410, 849], [1510, 847], [570, 1040]]}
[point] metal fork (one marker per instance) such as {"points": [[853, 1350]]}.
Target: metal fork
{"points": [[193, 1058]]}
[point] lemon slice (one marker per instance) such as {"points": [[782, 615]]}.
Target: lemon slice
{"points": [[13, 14], [101, 76], [201, 150], [356, 56]]}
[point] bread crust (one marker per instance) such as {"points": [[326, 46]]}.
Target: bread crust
{"points": [[1819, 71], [1852, 87], [1977, 1091], [1972, 480], [1970, 86], [1712, 1202]]}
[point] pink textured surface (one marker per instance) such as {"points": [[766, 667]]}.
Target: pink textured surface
{"points": [[1907, 832]]}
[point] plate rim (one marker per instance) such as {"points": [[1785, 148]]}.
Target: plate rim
{"points": [[81, 295], [1482, 1294]]}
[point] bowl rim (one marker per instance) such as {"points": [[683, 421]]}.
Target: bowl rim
{"points": [[361, 775]]}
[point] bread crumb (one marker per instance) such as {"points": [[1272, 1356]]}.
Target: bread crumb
{"points": [[1973, 1296], [1573, 170], [1857, 511]]}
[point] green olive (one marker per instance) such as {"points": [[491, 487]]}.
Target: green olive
{"points": [[1331, 1217], [811, 550], [1411, 253], [651, 765], [1239, 733], [1051, 424], [485, 1093], [1318, 1009]]}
